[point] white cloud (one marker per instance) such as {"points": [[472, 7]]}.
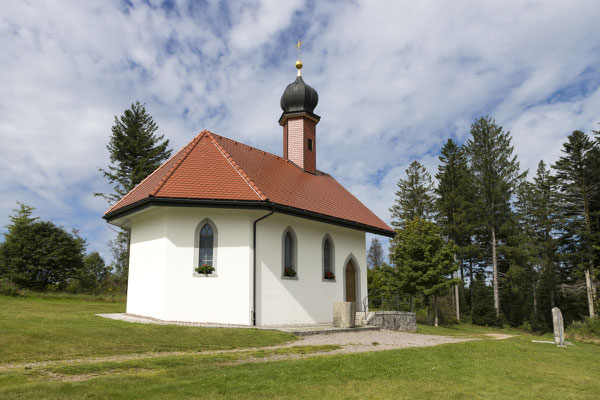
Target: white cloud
{"points": [[395, 80]]}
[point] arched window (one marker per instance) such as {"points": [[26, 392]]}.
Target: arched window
{"points": [[205, 245], [290, 257], [328, 263]]}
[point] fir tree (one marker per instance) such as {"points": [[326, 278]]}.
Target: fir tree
{"points": [[454, 204], [422, 260], [496, 175], [579, 188], [135, 151], [414, 198], [375, 254]]}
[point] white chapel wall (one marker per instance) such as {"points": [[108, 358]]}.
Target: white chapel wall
{"points": [[223, 297], [145, 287], [162, 282], [309, 299]]}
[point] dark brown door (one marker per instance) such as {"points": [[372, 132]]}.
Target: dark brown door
{"points": [[350, 281]]}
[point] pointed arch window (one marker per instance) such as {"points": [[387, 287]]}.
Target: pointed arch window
{"points": [[290, 255], [328, 259], [205, 246]]}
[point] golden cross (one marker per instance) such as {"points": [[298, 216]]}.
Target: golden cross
{"points": [[298, 46]]}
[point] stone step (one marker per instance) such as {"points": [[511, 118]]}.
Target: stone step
{"points": [[360, 315]]}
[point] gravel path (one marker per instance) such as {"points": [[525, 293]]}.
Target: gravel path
{"points": [[350, 342]]}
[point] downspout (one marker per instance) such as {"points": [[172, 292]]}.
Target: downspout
{"points": [[254, 265]]}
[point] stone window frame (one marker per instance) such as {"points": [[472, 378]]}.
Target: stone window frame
{"points": [[290, 230], [197, 248], [332, 256]]}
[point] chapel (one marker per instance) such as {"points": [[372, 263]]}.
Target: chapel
{"points": [[226, 233]]}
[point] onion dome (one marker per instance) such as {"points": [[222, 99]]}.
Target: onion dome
{"points": [[298, 97]]}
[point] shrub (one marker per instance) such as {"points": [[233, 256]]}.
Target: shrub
{"points": [[9, 288]]}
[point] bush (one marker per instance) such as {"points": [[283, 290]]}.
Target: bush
{"points": [[9, 288], [586, 329]]}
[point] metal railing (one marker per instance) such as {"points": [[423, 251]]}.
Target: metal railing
{"points": [[388, 301]]}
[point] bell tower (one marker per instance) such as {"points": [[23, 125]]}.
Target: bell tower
{"points": [[299, 122]]}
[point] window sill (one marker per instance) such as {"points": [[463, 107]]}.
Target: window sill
{"points": [[290, 278], [213, 275], [328, 280]]}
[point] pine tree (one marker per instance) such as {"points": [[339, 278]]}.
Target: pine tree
{"points": [[375, 254], [496, 175], [545, 216], [578, 192], [454, 203], [414, 197], [423, 262], [135, 152]]}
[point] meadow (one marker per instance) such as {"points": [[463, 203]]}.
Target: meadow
{"points": [[40, 337]]}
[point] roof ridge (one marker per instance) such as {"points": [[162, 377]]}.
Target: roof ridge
{"points": [[238, 168], [153, 172], [191, 146]]}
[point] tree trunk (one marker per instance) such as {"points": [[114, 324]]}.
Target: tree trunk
{"points": [[495, 274], [471, 283], [588, 228], [590, 292], [533, 287], [456, 296], [429, 316], [435, 308]]}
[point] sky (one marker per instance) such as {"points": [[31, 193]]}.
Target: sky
{"points": [[395, 79]]}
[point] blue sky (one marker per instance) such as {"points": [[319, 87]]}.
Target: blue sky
{"points": [[395, 80]]}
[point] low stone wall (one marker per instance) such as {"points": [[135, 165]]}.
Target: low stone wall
{"points": [[394, 320]]}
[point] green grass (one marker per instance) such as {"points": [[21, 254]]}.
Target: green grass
{"points": [[485, 368], [34, 328]]}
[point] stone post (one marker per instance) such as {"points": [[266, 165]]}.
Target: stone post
{"points": [[559, 331], [344, 314]]}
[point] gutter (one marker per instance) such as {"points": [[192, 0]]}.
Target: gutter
{"points": [[243, 204], [254, 264]]}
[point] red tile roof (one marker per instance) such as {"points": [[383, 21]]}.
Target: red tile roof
{"points": [[213, 167]]}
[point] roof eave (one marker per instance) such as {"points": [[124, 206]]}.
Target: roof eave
{"points": [[244, 204]]}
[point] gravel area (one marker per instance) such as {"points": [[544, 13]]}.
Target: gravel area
{"points": [[355, 342]]}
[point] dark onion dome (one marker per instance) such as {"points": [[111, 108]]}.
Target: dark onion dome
{"points": [[298, 97]]}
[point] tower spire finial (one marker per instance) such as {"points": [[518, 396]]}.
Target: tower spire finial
{"points": [[299, 63]]}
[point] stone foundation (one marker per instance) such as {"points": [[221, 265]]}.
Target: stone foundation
{"points": [[393, 320]]}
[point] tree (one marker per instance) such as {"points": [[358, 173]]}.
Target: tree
{"points": [[94, 271], [496, 175], [579, 188], [39, 255], [454, 203], [423, 262], [375, 254], [414, 198], [135, 151]]}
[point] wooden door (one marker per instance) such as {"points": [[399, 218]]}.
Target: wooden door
{"points": [[350, 282]]}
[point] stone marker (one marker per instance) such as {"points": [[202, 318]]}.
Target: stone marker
{"points": [[344, 313], [559, 331]]}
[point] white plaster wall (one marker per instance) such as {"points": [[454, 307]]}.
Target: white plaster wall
{"points": [[162, 282], [308, 299], [145, 287], [161, 279]]}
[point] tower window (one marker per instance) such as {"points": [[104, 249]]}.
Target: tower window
{"points": [[310, 145]]}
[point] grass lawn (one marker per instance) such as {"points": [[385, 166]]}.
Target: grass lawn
{"points": [[490, 369], [33, 328]]}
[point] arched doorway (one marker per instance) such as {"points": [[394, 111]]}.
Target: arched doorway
{"points": [[350, 272]]}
